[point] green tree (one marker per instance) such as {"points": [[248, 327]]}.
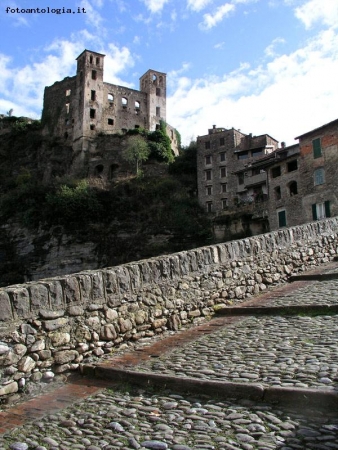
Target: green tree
{"points": [[136, 151]]}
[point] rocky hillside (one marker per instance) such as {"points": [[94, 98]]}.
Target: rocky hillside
{"points": [[53, 223]]}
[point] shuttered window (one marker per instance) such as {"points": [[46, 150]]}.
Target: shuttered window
{"points": [[317, 148], [281, 218]]}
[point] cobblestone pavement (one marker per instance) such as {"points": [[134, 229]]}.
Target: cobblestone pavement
{"points": [[315, 293], [281, 351], [297, 351], [117, 420]]}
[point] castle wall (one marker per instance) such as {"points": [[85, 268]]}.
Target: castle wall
{"points": [[53, 325], [59, 114]]}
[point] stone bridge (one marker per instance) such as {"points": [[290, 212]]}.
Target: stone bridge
{"points": [[55, 325]]}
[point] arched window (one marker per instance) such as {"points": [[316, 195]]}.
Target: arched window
{"points": [[137, 105], [124, 102], [98, 170], [110, 98]]}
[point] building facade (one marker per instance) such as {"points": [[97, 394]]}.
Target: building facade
{"points": [[224, 159], [78, 108], [265, 187]]}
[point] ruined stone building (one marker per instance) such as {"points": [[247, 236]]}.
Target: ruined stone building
{"points": [[79, 108], [251, 186]]}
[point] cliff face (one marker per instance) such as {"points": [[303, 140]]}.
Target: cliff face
{"points": [[53, 222]]}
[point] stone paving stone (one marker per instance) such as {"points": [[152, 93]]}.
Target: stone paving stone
{"points": [[145, 420]]}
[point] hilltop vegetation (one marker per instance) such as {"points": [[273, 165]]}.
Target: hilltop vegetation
{"points": [[136, 217]]}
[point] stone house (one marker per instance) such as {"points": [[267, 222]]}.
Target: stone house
{"points": [[284, 197], [221, 156], [79, 108], [319, 172], [267, 187], [229, 179]]}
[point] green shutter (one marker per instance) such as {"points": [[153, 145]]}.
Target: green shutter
{"points": [[317, 149], [327, 208], [281, 219], [314, 212]]}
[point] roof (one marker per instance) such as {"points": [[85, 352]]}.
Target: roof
{"points": [[334, 122], [89, 51]]}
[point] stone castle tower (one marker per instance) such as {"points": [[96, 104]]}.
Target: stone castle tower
{"points": [[77, 108]]}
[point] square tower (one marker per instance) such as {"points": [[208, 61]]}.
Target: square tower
{"points": [[154, 84], [89, 82]]}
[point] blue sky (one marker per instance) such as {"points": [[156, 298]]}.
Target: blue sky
{"points": [[261, 66]]}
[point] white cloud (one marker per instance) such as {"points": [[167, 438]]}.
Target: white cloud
{"points": [[270, 50], [318, 11], [288, 96], [92, 16], [211, 20], [198, 5], [219, 45], [22, 88], [155, 6]]}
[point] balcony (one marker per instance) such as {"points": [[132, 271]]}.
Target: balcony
{"points": [[260, 178]]}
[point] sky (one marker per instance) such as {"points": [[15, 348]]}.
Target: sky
{"points": [[260, 66]]}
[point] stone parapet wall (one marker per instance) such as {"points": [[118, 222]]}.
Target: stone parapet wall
{"points": [[53, 325]]}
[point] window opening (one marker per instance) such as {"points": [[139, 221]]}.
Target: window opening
{"points": [[256, 153], [97, 61], [137, 105], [93, 95], [319, 176], [110, 121], [91, 60], [112, 170], [223, 172], [243, 155], [240, 178], [321, 210], [94, 74], [278, 193], [158, 111], [222, 141], [276, 172], [92, 113], [317, 148], [224, 203], [208, 159], [293, 188], [99, 169], [292, 165], [209, 207], [110, 98], [67, 108], [222, 156], [124, 102], [92, 127], [223, 188], [282, 218], [68, 92], [207, 144], [158, 92], [208, 175], [208, 190]]}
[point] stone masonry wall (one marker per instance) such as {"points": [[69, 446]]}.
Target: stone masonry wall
{"points": [[53, 325]]}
